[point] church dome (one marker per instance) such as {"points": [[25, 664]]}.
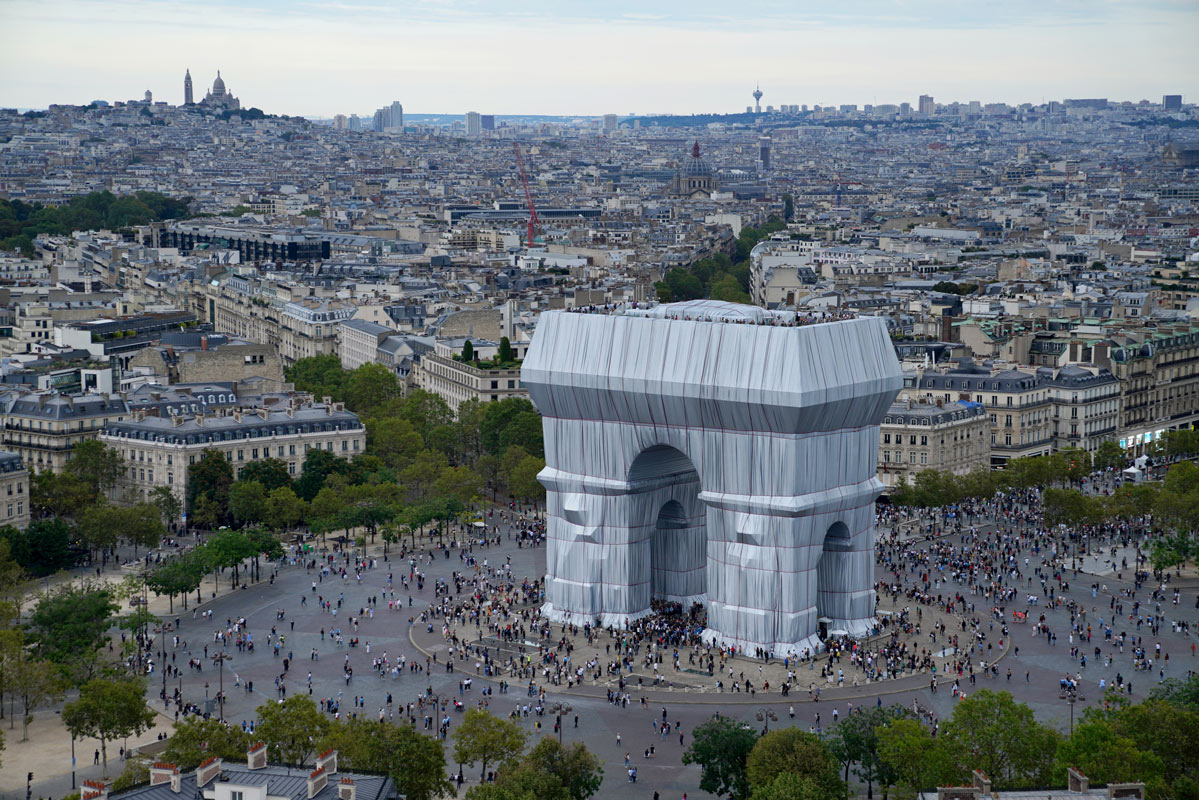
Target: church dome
{"points": [[218, 86], [696, 166]]}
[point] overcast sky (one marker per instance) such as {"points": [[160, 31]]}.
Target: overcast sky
{"points": [[545, 57]]}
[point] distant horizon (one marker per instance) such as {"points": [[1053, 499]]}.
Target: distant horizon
{"points": [[365, 116], [562, 58]]}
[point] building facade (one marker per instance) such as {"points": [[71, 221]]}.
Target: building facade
{"points": [[358, 342], [43, 428], [159, 449], [456, 382], [951, 437], [14, 495]]}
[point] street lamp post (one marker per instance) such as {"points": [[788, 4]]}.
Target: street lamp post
{"points": [[1071, 695], [767, 715], [72, 761], [220, 658]]}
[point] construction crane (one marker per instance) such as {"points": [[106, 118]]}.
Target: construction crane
{"points": [[524, 179]]}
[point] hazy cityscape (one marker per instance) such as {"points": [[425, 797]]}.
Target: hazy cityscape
{"points": [[751, 444]]}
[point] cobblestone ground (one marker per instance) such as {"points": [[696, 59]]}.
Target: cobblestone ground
{"points": [[612, 731]]}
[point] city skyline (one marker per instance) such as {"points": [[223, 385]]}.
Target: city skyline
{"points": [[446, 58]]}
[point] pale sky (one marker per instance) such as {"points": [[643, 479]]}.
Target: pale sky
{"points": [[588, 58]]}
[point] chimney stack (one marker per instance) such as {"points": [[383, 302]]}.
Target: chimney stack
{"points": [[204, 342], [345, 789], [981, 781], [317, 780], [256, 756], [328, 760], [207, 771], [94, 790]]}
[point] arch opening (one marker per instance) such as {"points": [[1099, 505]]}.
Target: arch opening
{"points": [[674, 522], [831, 601]]}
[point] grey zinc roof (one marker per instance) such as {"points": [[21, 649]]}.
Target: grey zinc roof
{"points": [[10, 462], [371, 328], [228, 428], [291, 783]]}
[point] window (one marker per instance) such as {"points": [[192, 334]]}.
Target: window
{"points": [[345, 445], [170, 479], [291, 450], [233, 795], [924, 440], [241, 455], [291, 468], [169, 459], [356, 443], [886, 438], [191, 459], [924, 458], [912, 457], [10, 509], [254, 453]]}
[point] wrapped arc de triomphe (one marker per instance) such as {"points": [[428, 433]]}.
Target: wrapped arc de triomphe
{"points": [[712, 452]]}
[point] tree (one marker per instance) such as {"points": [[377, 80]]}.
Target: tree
{"points": [[524, 430], [854, 741], [790, 786], [793, 751], [196, 739], [1171, 734], [1096, 750], [498, 416], [96, 464], [414, 761], [142, 525], [420, 476], [1000, 737], [318, 466], [100, 526], [579, 771], [247, 501], [167, 503], [270, 472], [484, 737], [1109, 455], [69, 626], [284, 510], [370, 387], [504, 354], [721, 747], [108, 709], [320, 375], [461, 483], [43, 548], [56, 494], [920, 762], [209, 478], [394, 440], [522, 481], [24, 676], [468, 351], [1179, 692], [292, 729]]}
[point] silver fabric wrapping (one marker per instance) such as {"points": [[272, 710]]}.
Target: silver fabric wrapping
{"points": [[728, 463]]}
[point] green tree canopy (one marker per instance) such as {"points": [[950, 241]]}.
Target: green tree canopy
{"points": [[721, 747], [415, 762], [70, 624], [1000, 737], [108, 709], [196, 739], [209, 478], [482, 737], [292, 729]]}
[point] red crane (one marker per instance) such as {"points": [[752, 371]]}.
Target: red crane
{"points": [[524, 179]]}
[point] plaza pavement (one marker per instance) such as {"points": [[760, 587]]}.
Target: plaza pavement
{"points": [[609, 731]]}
